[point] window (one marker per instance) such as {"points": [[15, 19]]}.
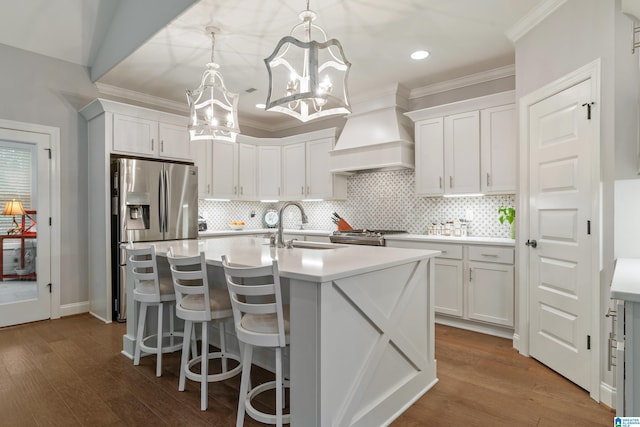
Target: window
{"points": [[17, 178]]}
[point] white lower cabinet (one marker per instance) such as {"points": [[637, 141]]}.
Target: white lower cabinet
{"points": [[473, 283]]}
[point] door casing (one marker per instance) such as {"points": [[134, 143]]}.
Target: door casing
{"points": [[521, 337]]}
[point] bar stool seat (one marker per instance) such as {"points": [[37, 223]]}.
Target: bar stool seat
{"points": [[197, 303], [150, 290], [261, 320]]}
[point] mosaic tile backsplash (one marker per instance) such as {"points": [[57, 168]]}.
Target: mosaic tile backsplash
{"points": [[375, 200]]}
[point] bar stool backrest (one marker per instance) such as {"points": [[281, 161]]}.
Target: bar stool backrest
{"points": [[255, 292], [190, 283], [144, 269]]}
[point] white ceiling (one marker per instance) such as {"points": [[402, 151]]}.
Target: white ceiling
{"points": [[463, 36]]}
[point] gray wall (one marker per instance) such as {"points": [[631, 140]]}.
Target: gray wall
{"points": [[576, 34], [37, 89]]}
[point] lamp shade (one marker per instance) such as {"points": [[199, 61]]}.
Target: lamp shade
{"points": [[13, 207]]}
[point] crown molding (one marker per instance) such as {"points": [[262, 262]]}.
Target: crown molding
{"points": [[536, 15], [109, 90], [472, 79]]}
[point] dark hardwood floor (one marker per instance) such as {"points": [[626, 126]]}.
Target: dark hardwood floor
{"points": [[70, 372]]}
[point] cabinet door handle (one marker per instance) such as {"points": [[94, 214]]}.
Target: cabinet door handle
{"points": [[302, 190], [162, 145], [241, 190], [208, 188], [278, 191], [440, 182], [308, 190], [470, 274], [235, 189], [488, 179], [151, 144], [491, 255], [450, 181]]}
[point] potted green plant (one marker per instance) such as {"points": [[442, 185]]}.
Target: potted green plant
{"points": [[509, 215]]}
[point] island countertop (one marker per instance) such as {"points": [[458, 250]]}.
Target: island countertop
{"points": [[316, 262]]}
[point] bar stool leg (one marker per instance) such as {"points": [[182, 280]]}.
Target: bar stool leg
{"points": [[244, 383], [159, 341], [223, 347], [140, 334], [204, 368], [279, 400], [188, 326]]}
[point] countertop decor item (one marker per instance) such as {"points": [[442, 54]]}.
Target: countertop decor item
{"points": [[509, 215], [271, 218], [296, 86], [213, 110]]}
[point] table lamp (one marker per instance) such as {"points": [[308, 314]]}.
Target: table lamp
{"points": [[14, 207]]}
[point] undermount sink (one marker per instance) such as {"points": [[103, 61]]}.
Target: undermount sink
{"points": [[315, 245], [301, 244]]}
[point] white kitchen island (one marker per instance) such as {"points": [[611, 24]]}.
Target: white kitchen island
{"points": [[362, 325]]}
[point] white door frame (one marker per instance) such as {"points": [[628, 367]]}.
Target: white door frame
{"points": [[521, 338], [54, 138]]}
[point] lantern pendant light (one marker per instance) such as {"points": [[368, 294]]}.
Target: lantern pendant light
{"points": [[213, 110], [308, 78]]}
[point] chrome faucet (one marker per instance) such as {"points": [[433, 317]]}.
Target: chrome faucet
{"points": [[280, 239]]}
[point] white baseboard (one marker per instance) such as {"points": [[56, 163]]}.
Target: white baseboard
{"points": [[608, 395], [74, 308], [516, 341], [98, 317], [483, 328]]}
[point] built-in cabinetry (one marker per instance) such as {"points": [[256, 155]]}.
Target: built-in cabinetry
{"points": [[289, 168], [474, 284], [134, 134], [226, 170], [466, 147], [115, 128], [306, 172]]}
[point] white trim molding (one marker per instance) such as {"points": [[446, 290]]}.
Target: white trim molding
{"points": [[74, 308], [470, 80], [535, 16]]}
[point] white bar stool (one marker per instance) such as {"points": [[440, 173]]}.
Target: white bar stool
{"points": [[197, 303], [261, 320], [150, 290]]}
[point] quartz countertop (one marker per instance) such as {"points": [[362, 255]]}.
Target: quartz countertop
{"points": [[315, 265], [451, 239], [295, 231], [626, 280]]}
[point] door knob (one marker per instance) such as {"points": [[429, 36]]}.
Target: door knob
{"points": [[532, 243]]}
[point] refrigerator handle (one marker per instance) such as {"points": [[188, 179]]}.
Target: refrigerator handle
{"points": [[161, 207], [166, 201]]}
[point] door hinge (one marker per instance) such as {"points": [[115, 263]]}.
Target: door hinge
{"points": [[49, 152], [588, 226], [588, 342], [50, 286], [588, 105], [49, 221]]}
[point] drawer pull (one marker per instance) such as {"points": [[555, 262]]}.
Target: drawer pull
{"points": [[491, 255]]}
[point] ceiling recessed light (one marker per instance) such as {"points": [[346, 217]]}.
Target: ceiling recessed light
{"points": [[261, 106], [419, 54]]}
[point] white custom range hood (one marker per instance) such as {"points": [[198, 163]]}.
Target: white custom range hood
{"points": [[376, 136]]}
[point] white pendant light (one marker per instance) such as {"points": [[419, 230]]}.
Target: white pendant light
{"points": [[308, 78], [213, 110]]}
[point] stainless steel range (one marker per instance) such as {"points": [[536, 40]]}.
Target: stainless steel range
{"points": [[362, 237]]}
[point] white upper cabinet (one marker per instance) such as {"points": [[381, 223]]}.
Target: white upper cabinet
{"points": [[294, 170], [224, 169], [247, 172], [201, 153], [150, 138], [462, 153], [269, 172], [306, 172], [498, 149], [430, 157], [466, 147]]}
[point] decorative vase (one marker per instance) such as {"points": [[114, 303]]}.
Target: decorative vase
{"points": [[512, 231]]}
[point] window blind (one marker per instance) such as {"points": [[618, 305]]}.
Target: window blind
{"points": [[16, 173]]}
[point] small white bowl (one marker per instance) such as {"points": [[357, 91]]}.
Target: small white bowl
{"points": [[236, 227]]}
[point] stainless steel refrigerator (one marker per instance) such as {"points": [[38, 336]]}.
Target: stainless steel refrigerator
{"points": [[151, 201]]}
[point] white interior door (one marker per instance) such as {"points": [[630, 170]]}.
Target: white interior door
{"points": [[27, 298], [560, 141]]}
